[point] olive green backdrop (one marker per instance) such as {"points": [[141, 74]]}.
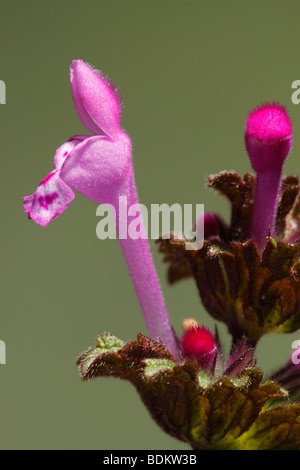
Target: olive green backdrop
{"points": [[189, 71]]}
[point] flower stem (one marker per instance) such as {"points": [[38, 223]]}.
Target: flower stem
{"points": [[265, 203], [141, 267]]}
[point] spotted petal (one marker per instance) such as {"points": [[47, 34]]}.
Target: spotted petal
{"points": [[99, 168], [63, 151], [51, 198]]}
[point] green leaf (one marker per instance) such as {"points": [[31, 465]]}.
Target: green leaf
{"points": [[154, 366], [109, 343], [205, 411], [203, 380], [277, 429]]}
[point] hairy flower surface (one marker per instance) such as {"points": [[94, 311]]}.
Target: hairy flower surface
{"points": [[199, 343], [268, 139], [100, 167], [97, 166]]}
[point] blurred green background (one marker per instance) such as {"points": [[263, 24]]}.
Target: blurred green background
{"points": [[189, 71]]}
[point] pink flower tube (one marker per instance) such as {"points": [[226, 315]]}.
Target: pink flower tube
{"points": [[100, 167]]}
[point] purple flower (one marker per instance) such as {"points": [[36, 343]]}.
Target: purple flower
{"points": [[97, 166], [100, 167]]}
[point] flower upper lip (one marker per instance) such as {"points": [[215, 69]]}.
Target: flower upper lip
{"points": [[97, 101]]}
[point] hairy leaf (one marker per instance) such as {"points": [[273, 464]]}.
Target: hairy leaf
{"points": [[206, 411]]}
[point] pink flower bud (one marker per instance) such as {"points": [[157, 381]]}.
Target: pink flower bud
{"points": [[268, 136], [198, 342], [268, 139]]}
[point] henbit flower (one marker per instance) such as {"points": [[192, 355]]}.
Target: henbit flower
{"points": [[199, 343], [100, 167], [268, 139]]}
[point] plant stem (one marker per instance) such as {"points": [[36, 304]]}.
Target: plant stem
{"points": [[265, 203], [141, 267]]}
